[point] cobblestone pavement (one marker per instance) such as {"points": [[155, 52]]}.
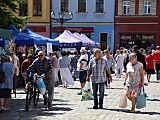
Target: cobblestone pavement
{"points": [[67, 105]]}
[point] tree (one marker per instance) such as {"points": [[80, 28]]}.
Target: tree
{"points": [[8, 10]]}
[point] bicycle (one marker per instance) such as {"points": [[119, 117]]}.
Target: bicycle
{"points": [[32, 92]]}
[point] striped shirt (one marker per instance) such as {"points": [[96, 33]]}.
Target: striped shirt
{"points": [[33, 69], [98, 68]]}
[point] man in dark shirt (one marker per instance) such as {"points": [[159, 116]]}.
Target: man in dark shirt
{"points": [[140, 56], [42, 66]]}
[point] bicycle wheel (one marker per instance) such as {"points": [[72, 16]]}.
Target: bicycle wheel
{"points": [[28, 97], [36, 95]]}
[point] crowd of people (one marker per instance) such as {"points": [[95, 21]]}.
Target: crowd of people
{"points": [[95, 66]]}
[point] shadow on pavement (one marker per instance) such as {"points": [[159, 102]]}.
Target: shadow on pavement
{"points": [[116, 88], [60, 100], [74, 88], [153, 100], [17, 109], [137, 112]]}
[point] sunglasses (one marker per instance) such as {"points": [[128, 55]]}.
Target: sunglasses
{"points": [[40, 55]]}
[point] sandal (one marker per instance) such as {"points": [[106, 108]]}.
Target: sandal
{"points": [[132, 111]]}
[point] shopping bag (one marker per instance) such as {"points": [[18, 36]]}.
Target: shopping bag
{"points": [[141, 99], [86, 92], [41, 86], [123, 99]]}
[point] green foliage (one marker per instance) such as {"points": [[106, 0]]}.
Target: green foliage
{"points": [[8, 9]]}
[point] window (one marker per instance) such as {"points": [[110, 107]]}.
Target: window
{"points": [[147, 7], [81, 5], [37, 7], [65, 5], [126, 7], [23, 9], [100, 6]]}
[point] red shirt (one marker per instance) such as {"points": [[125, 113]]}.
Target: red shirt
{"points": [[156, 56], [25, 64], [149, 62]]}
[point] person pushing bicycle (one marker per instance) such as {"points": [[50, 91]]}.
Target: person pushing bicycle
{"points": [[42, 66]]}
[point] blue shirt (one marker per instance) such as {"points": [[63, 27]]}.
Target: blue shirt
{"points": [[8, 69], [64, 62]]}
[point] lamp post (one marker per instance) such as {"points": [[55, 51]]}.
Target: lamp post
{"points": [[62, 18]]}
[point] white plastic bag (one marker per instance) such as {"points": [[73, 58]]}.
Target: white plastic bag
{"points": [[145, 80], [123, 99], [41, 85], [86, 92]]}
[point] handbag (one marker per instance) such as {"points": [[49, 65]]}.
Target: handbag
{"points": [[2, 74], [123, 99], [141, 99]]}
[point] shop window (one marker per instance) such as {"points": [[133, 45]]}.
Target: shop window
{"points": [[65, 5], [145, 41], [37, 7], [81, 5], [99, 6], [147, 7], [23, 9], [126, 7], [103, 40]]}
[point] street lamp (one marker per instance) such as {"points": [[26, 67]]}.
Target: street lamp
{"points": [[61, 18]]}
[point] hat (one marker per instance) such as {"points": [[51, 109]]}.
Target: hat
{"points": [[83, 49], [135, 47]]}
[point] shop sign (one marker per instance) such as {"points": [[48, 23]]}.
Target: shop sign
{"points": [[126, 37], [148, 37], [74, 29]]}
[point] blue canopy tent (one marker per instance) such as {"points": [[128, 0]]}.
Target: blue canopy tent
{"points": [[40, 37], [2, 41], [24, 39]]}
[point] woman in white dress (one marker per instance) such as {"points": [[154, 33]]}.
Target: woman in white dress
{"points": [[64, 63], [119, 64]]}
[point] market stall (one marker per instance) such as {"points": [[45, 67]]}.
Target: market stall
{"points": [[66, 40]]}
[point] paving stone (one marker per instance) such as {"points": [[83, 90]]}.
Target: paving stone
{"points": [[67, 105]]}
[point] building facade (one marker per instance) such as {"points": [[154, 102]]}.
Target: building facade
{"points": [[95, 18], [39, 13], [137, 22]]}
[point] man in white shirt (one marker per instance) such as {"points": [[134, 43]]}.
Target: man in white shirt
{"points": [[82, 67]]}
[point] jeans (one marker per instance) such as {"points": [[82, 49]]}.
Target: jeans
{"points": [[101, 91], [50, 87]]}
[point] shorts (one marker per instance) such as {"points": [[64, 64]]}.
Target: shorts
{"points": [[82, 76]]}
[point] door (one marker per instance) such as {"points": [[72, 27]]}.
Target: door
{"points": [[103, 40]]}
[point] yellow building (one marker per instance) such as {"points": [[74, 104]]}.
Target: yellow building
{"points": [[39, 13]]}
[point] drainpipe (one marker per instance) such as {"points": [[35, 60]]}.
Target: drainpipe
{"points": [[50, 19], [115, 24]]}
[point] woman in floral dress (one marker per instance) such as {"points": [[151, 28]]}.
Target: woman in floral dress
{"points": [[134, 79]]}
